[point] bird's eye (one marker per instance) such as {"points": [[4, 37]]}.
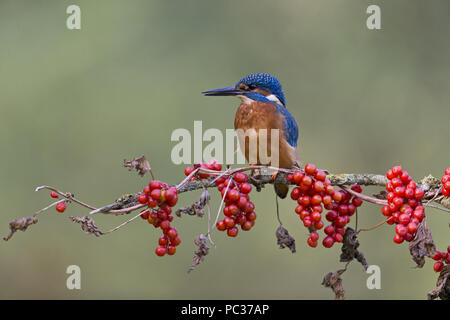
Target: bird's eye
{"points": [[244, 87]]}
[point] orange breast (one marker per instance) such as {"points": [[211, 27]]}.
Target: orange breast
{"points": [[249, 120]]}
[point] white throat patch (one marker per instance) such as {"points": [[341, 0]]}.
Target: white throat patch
{"points": [[274, 98]]}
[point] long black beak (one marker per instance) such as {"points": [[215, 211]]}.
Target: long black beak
{"points": [[228, 91]]}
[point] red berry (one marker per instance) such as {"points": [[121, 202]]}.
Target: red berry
{"points": [[310, 169], [437, 256], [245, 187], [145, 214], [398, 239], [447, 171], [165, 225], [298, 177], [160, 251], [251, 216], [171, 250], [311, 242], [438, 266], [338, 237], [328, 242], [418, 194], [232, 232], [155, 184], [61, 207], [163, 240], [401, 230], [412, 227], [233, 195], [53, 194], [319, 186], [221, 225], [152, 202], [295, 193], [188, 171], [390, 175], [229, 222], [320, 175], [156, 194], [172, 233], [176, 241], [329, 230], [314, 236], [397, 171], [247, 225], [318, 224], [240, 177], [142, 198], [404, 219]]}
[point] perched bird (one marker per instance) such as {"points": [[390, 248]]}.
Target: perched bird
{"points": [[263, 106]]}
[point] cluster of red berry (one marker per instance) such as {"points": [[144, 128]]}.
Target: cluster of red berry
{"points": [[211, 165], [404, 206], [339, 215], [238, 210], [446, 183], [160, 198], [60, 206], [441, 258], [313, 193]]}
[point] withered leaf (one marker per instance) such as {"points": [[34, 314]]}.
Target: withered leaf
{"points": [[87, 224], [20, 224], [442, 289], [333, 280], [284, 239], [197, 208], [422, 246], [349, 248], [201, 251], [141, 165]]}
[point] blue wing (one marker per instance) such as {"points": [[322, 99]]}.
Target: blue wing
{"points": [[290, 126]]}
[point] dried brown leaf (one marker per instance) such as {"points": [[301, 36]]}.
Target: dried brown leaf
{"points": [[442, 289], [141, 165], [87, 224], [333, 280], [201, 252], [20, 224], [197, 208], [349, 248], [284, 239], [422, 246]]}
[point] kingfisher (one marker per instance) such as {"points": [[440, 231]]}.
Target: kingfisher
{"points": [[263, 106]]}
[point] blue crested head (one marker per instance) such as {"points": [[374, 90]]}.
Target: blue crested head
{"points": [[264, 82], [259, 86]]}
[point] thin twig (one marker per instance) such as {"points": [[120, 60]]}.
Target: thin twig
{"points": [[365, 197], [436, 207], [122, 224], [221, 202], [48, 207], [375, 226], [68, 196]]}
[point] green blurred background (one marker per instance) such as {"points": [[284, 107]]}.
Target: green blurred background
{"points": [[74, 104]]}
